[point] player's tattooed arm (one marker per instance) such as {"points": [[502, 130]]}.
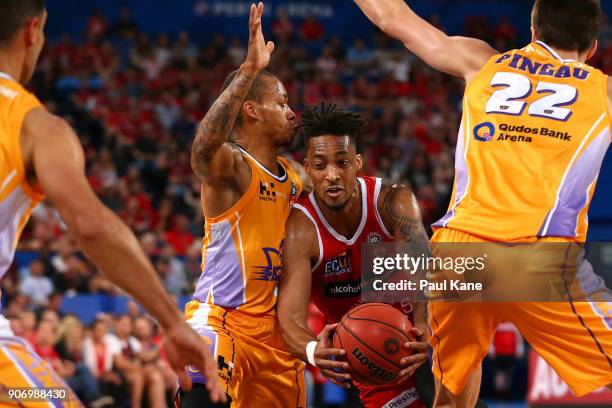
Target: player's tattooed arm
{"points": [[210, 154], [214, 130], [400, 212]]}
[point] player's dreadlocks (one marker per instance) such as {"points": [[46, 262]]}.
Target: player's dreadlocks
{"points": [[327, 119]]}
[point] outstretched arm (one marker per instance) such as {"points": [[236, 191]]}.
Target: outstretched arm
{"points": [[52, 150], [300, 249], [211, 156], [459, 56]]}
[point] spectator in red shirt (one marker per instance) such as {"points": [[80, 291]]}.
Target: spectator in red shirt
{"points": [[44, 345], [282, 28], [312, 30], [179, 236]]}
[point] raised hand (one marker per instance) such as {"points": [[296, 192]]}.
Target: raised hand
{"points": [[259, 51], [185, 348]]}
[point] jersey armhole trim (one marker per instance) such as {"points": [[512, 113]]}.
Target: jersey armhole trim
{"points": [[381, 224], [303, 209]]}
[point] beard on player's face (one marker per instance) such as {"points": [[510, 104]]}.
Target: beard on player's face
{"points": [[337, 207], [337, 193]]}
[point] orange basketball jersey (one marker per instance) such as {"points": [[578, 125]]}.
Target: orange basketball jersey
{"points": [[241, 258], [534, 132], [17, 198]]}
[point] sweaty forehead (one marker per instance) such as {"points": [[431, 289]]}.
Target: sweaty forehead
{"points": [[330, 144], [274, 87]]}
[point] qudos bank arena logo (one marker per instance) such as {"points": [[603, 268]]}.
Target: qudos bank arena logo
{"points": [[484, 132]]}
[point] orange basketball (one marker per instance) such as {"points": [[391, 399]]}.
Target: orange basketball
{"points": [[373, 336]]}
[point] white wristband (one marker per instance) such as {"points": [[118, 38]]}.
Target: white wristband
{"points": [[310, 349]]}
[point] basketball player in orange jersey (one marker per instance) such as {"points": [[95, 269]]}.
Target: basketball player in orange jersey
{"points": [[247, 193], [40, 154], [515, 185], [322, 252]]}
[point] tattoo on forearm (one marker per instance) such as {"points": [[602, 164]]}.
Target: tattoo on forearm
{"points": [[215, 128]]}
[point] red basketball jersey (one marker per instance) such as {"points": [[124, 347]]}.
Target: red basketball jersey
{"points": [[336, 279]]}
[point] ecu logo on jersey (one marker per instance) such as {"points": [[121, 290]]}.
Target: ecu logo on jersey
{"points": [[338, 265]]}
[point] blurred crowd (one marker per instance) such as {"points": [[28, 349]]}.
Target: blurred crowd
{"points": [[116, 362], [135, 100]]}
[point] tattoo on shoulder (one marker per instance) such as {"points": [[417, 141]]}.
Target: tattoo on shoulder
{"points": [[397, 215]]}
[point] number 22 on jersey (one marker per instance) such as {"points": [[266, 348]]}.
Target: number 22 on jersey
{"points": [[510, 100]]}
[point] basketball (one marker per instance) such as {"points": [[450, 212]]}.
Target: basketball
{"points": [[373, 336]]}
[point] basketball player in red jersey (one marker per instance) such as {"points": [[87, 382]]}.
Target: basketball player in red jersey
{"points": [[327, 228], [40, 155], [524, 188]]}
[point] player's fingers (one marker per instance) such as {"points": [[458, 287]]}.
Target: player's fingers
{"points": [[403, 376], [418, 358], [270, 45], [407, 372], [337, 378], [332, 365], [326, 332], [417, 332], [252, 17], [215, 392], [328, 329], [256, 28], [330, 352], [337, 374], [416, 346], [258, 15], [209, 367]]}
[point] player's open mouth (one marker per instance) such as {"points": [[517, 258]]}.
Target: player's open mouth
{"points": [[334, 192]]}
